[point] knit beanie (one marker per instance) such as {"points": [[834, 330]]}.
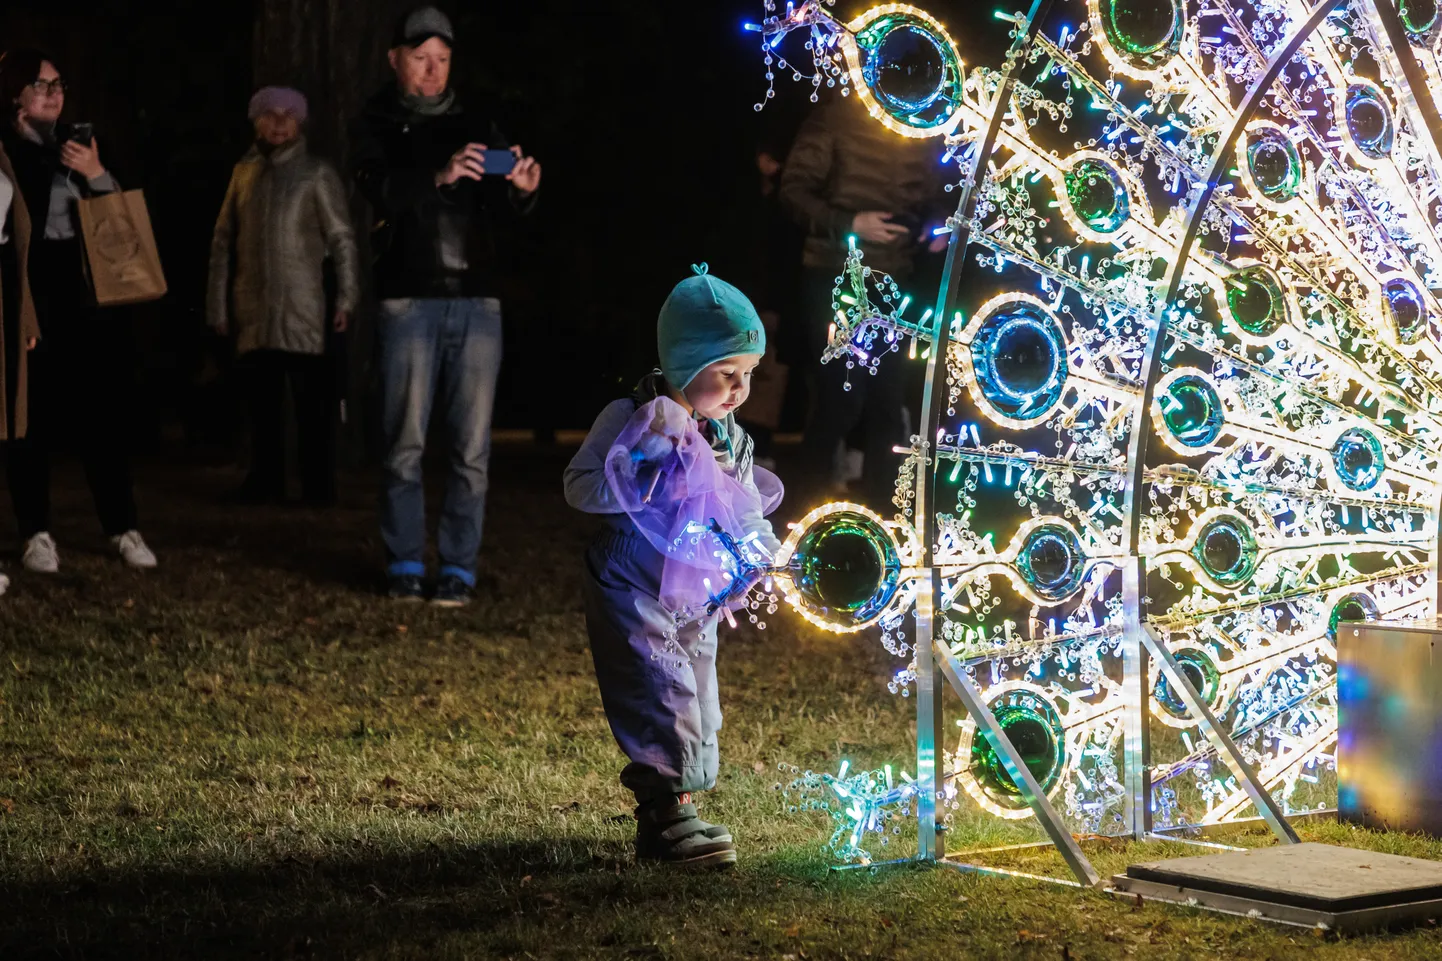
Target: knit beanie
{"points": [[705, 320], [283, 99]]}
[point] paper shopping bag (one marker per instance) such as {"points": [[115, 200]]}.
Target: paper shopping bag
{"points": [[120, 248]]}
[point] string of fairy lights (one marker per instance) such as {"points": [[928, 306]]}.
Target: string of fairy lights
{"points": [[1293, 437]]}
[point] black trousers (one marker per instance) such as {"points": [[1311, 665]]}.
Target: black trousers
{"points": [[313, 394], [875, 403], [80, 392]]}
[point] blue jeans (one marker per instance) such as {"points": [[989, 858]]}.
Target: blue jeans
{"points": [[446, 351]]}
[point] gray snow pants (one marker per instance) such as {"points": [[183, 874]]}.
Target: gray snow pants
{"points": [[659, 691]]}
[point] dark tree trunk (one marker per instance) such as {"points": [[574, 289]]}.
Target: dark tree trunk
{"points": [[333, 51]]}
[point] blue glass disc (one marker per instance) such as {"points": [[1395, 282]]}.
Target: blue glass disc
{"points": [[1358, 457], [1020, 359]]}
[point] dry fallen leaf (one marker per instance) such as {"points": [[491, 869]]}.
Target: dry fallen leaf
{"points": [[1024, 935], [389, 782], [793, 931]]}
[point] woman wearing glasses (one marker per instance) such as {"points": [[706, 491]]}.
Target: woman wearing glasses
{"points": [[79, 371]]}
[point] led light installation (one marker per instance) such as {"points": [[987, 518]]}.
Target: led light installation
{"points": [[1183, 390]]}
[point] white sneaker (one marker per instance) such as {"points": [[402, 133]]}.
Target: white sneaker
{"points": [[40, 556], [4, 584], [132, 548]]}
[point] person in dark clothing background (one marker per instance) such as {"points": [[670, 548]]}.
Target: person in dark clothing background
{"points": [[283, 216], [759, 247], [80, 372], [847, 175], [420, 160]]}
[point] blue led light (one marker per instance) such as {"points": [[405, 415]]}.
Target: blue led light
{"points": [[1020, 359], [1051, 561], [1369, 120], [911, 69], [1405, 308], [1227, 550], [1358, 457]]}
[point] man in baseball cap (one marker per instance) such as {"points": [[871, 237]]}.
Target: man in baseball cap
{"points": [[420, 25], [421, 163]]}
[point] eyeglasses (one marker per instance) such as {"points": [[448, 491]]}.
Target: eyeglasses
{"points": [[46, 87]]}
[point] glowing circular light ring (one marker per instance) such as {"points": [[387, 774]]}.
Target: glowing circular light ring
{"points": [[1262, 144], [1027, 715], [797, 580], [1358, 459], [1418, 16], [1255, 302], [1225, 549], [1051, 561], [1361, 105], [1352, 606], [1138, 57], [1200, 666], [868, 33], [1017, 358], [1114, 226], [1190, 412], [1405, 308]]}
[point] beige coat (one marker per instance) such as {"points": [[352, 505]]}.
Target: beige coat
{"points": [[281, 217], [29, 327]]}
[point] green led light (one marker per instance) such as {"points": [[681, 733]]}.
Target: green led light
{"points": [[845, 567], [1227, 551], [1035, 730], [1145, 32], [1256, 301], [1098, 195]]}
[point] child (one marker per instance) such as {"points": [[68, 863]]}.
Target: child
{"points": [[663, 708]]}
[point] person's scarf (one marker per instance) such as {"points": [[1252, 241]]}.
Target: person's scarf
{"points": [[418, 106]]}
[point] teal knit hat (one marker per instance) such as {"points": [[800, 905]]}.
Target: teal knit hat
{"points": [[705, 320]]}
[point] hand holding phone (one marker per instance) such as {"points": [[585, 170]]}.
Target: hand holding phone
{"points": [[474, 161]]}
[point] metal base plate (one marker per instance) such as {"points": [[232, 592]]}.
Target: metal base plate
{"points": [[1306, 884]]}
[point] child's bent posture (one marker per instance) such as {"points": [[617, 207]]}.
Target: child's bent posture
{"points": [[658, 685]]}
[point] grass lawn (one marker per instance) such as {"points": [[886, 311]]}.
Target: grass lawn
{"points": [[248, 754]]}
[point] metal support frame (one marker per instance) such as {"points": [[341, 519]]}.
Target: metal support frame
{"points": [[1227, 750], [931, 844], [1142, 644], [1016, 768], [1419, 100]]}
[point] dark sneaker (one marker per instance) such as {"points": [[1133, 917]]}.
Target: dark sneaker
{"points": [[451, 591], [405, 587], [671, 833]]}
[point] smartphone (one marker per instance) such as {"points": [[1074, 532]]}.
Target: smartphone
{"points": [[81, 133], [499, 162]]}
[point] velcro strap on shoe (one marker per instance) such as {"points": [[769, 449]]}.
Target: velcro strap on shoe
{"points": [[683, 829]]}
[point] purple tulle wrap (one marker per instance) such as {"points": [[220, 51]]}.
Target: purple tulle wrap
{"points": [[670, 483]]}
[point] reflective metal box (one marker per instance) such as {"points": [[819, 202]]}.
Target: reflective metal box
{"points": [[1389, 741]]}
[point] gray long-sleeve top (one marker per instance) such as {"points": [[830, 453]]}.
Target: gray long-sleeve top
{"points": [[588, 490]]}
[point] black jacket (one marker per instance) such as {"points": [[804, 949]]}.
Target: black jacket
{"points": [[429, 241]]}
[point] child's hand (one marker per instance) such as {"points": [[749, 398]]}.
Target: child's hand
{"points": [[657, 444]]}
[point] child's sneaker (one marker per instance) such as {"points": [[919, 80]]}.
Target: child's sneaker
{"points": [[671, 833]]}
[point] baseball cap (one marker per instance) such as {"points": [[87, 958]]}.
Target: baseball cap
{"points": [[420, 25]]}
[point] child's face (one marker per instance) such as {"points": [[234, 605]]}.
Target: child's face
{"points": [[724, 386]]}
